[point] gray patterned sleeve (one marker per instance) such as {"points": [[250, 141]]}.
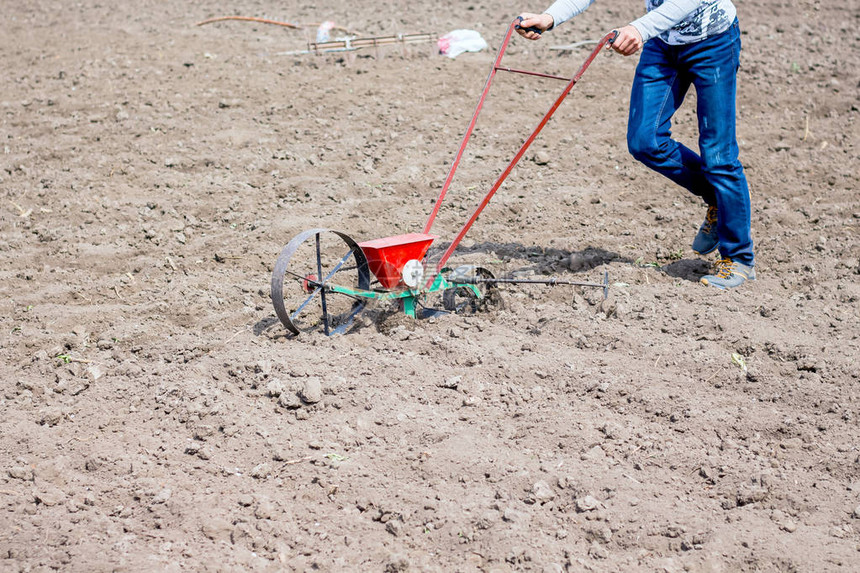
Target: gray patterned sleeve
{"points": [[664, 17], [563, 10]]}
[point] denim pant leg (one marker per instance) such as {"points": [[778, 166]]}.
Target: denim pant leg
{"points": [[712, 66], [663, 76], [659, 87]]}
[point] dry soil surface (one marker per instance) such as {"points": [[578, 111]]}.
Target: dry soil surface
{"points": [[155, 415]]}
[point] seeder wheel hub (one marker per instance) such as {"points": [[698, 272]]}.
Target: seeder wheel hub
{"points": [[413, 273]]}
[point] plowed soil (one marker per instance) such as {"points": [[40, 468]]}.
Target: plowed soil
{"points": [[156, 416]]}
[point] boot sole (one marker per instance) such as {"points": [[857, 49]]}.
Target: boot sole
{"points": [[707, 283]]}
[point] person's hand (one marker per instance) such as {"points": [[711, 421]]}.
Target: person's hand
{"points": [[628, 42], [542, 22]]}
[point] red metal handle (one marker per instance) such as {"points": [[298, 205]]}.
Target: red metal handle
{"points": [[607, 39], [469, 130]]}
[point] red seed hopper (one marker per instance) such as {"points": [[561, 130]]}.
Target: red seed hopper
{"points": [[387, 256]]}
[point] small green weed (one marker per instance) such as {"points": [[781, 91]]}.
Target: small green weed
{"points": [[640, 262]]}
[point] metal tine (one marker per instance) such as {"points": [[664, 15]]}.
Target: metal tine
{"points": [[322, 290]]}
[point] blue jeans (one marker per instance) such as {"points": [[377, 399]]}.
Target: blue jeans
{"points": [[663, 76]]}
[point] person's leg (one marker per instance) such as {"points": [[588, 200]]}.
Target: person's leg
{"points": [[659, 87], [713, 65]]}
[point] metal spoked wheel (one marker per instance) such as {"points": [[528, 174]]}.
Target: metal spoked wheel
{"points": [[305, 272], [463, 299]]}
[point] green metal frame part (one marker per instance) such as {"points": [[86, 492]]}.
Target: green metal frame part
{"points": [[410, 296]]}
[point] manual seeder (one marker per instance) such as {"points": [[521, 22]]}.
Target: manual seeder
{"points": [[314, 284]]}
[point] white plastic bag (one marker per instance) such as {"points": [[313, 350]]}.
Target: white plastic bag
{"points": [[324, 32], [455, 43]]}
